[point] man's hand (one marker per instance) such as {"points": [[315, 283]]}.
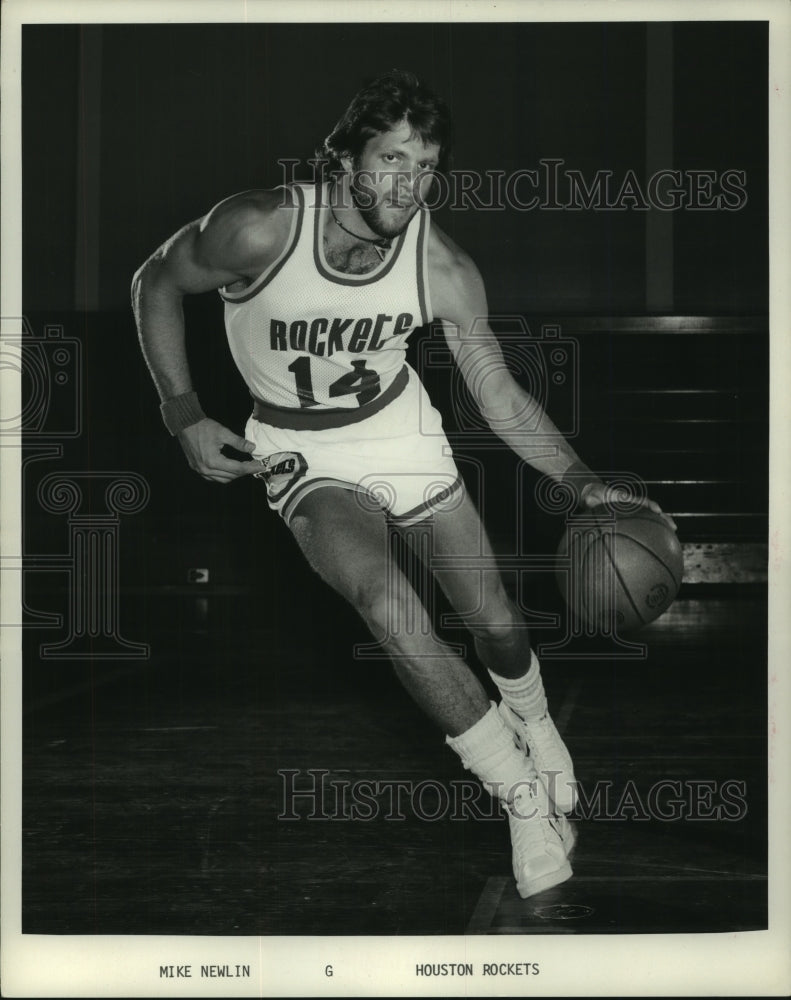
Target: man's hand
{"points": [[202, 444], [596, 494]]}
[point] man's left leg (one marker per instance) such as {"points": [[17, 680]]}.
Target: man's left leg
{"points": [[475, 590]]}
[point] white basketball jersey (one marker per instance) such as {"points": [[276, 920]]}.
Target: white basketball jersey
{"points": [[318, 341]]}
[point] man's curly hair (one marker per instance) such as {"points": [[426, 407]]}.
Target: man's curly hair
{"points": [[387, 101]]}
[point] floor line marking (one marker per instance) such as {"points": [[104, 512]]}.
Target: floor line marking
{"points": [[487, 905], [568, 705]]}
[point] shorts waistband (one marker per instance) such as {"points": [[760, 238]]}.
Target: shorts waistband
{"points": [[318, 419]]}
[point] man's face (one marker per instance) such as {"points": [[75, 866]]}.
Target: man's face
{"points": [[391, 178]]}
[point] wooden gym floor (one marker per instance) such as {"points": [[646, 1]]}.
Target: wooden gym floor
{"points": [[154, 791]]}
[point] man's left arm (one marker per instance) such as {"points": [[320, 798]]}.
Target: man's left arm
{"points": [[515, 415]]}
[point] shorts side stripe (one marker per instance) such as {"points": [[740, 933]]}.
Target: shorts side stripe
{"points": [[424, 509]]}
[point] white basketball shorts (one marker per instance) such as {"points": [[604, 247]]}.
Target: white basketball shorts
{"points": [[397, 460]]}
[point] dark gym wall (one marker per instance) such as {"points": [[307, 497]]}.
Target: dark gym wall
{"points": [[191, 113], [721, 122], [50, 71]]}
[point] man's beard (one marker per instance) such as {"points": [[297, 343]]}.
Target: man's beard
{"points": [[375, 216]]}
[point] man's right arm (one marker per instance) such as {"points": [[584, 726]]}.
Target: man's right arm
{"points": [[236, 240]]}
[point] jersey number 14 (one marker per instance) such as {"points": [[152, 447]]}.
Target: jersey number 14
{"points": [[362, 382]]}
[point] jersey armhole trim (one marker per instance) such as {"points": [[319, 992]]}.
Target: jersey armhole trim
{"points": [[267, 275], [422, 268]]}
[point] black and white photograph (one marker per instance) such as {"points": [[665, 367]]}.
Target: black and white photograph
{"points": [[394, 552]]}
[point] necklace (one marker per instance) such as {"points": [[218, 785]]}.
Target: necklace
{"points": [[380, 244]]}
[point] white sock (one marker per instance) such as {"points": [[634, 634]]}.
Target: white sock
{"points": [[525, 695], [487, 749]]}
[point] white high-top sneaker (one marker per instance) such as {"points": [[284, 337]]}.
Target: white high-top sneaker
{"points": [[541, 838], [541, 741]]}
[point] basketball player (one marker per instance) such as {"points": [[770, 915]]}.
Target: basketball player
{"points": [[323, 284]]}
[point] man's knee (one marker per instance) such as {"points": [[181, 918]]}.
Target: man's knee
{"points": [[498, 620], [391, 609]]}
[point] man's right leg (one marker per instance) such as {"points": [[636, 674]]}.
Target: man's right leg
{"points": [[348, 546], [502, 642]]}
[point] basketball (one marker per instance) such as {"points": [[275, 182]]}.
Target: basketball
{"points": [[619, 571]]}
